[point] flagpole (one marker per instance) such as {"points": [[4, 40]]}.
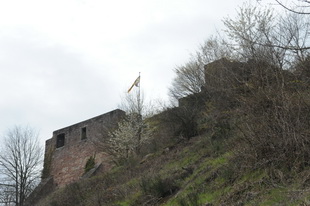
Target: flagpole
{"points": [[139, 95], [140, 115], [137, 83]]}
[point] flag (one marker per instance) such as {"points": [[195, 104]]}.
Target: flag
{"points": [[136, 83]]}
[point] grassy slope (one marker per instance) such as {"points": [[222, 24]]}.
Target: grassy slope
{"points": [[195, 172]]}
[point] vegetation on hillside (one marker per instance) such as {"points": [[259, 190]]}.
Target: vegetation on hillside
{"points": [[240, 136]]}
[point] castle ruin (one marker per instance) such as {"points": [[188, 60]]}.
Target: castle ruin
{"points": [[67, 152]]}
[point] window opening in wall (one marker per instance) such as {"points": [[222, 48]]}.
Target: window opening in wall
{"points": [[83, 133], [60, 140]]}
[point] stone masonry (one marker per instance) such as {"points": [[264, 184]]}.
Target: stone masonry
{"points": [[67, 152]]}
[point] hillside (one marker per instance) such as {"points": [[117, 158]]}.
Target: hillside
{"points": [[198, 172], [235, 143]]}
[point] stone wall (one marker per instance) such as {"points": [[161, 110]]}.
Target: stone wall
{"points": [[224, 73], [72, 146]]}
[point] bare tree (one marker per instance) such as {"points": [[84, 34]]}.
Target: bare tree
{"points": [[214, 48], [6, 194], [250, 31], [259, 34], [133, 102], [190, 77], [20, 161], [297, 6], [189, 80], [255, 34], [274, 105]]}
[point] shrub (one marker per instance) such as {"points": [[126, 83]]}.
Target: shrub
{"points": [[90, 164], [190, 199], [275, 131], [158, 187]]}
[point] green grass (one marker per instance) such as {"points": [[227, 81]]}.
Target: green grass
{"points": [[129, 201], [212, 180], [276, 196]]}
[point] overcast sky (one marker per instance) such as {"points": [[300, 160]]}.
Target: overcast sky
{"points": [[64, 61]]}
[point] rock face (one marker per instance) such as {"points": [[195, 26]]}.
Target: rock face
{"points": [[67, 152]]}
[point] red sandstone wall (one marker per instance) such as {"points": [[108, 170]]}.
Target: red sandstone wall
{"points": [[68, 162]]}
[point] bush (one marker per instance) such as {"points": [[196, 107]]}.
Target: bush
{"points": [[190, 199], [90, 164], [158, 187], [182, 121], [275, 131]]}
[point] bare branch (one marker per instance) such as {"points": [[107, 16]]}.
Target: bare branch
{"points": [[292, 10]]}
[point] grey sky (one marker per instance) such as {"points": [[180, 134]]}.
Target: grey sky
{"points": [[64, 61]]}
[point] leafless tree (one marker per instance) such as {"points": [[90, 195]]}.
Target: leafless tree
{"points": [[133, 102], [296, 6], [274, 124], [259, 34], [20, 161], [255, 34], [190, 77], [6, 195], [250, 31], [214, 48], [189, 80]]}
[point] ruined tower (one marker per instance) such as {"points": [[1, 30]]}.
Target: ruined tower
{"points": [[67, 152]]}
